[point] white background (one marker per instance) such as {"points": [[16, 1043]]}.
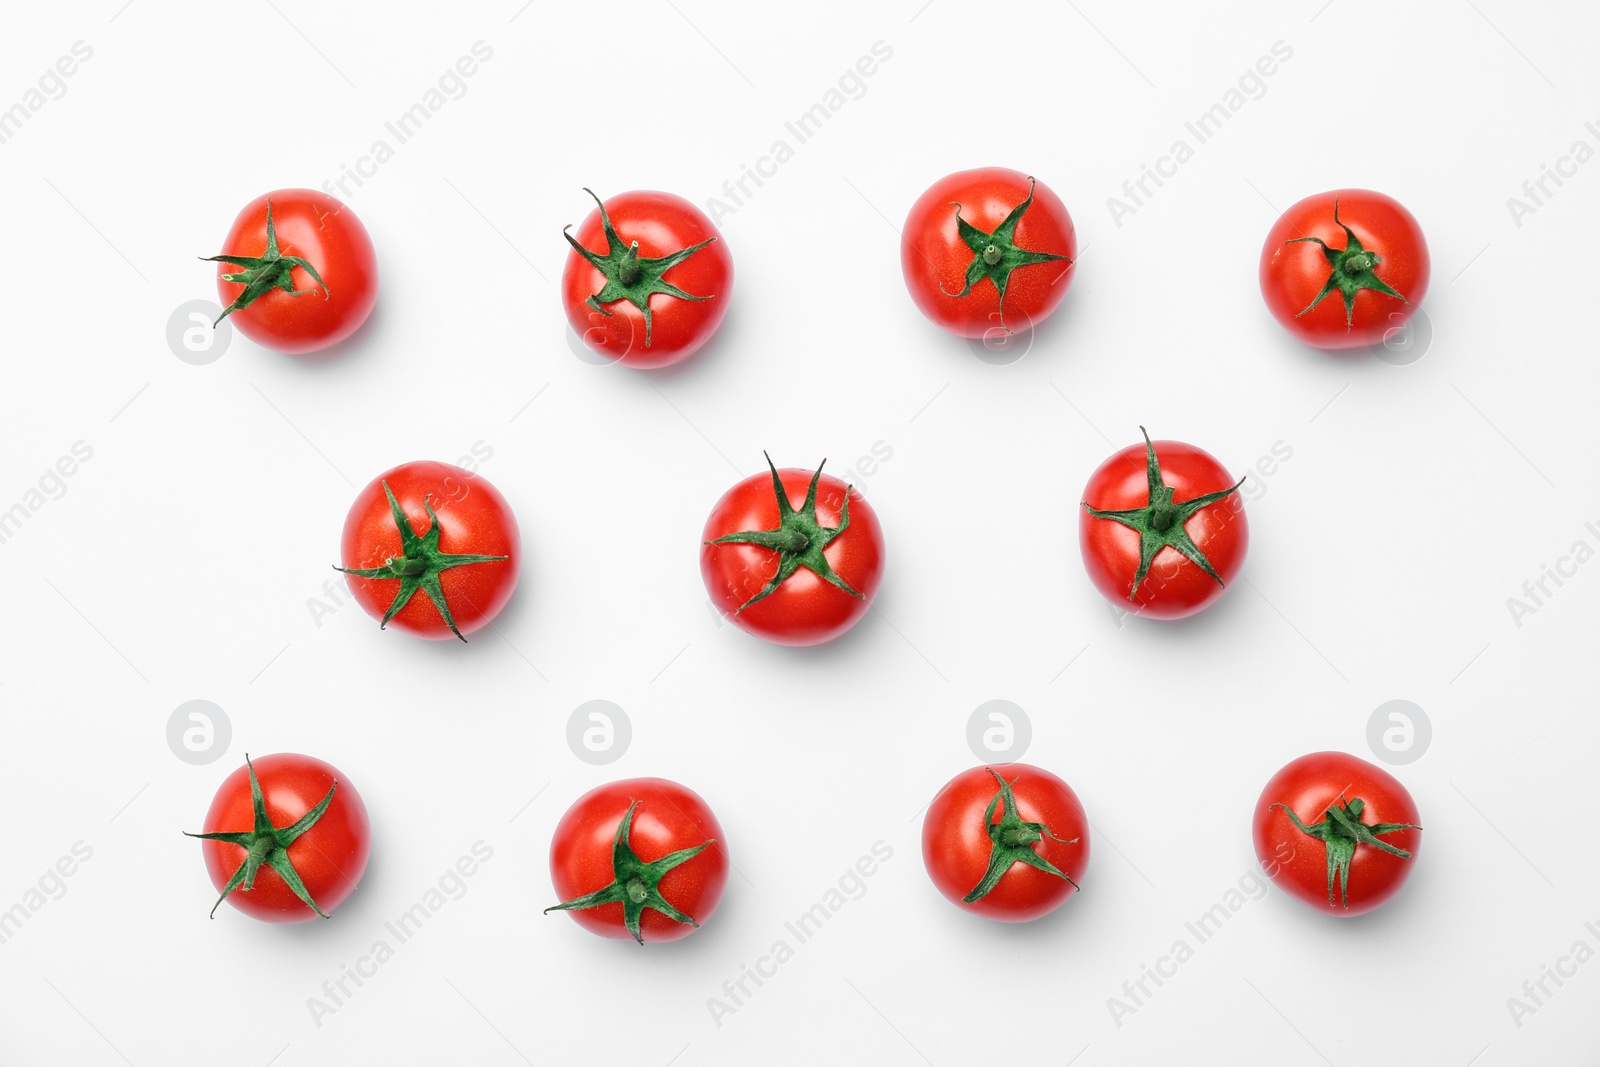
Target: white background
{"points": [[180, 561]]}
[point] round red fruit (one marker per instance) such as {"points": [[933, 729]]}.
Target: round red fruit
{"points": [[298, 272], [286, 839], [643, 858], [431, 548], [647, 280]]}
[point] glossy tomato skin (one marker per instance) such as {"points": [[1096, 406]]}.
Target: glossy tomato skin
{"points": [[932, 254], [805, 609], [327, 234], [1174, 587], [1297, 863], [1293, 274], [662, 224], [669, 817], [330, 857], [956, 845], [473, 518]]}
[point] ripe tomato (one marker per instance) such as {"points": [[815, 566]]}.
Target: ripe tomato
{"points": [[1344, 269], [793, 576], [286, 839], [988, 250], [616, 288], [1160, 532], [640, 856], [298, 272], [439, 529], [1331, 818], [1007, 842]]}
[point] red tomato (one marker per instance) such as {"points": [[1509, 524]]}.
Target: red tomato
{"points": [[459, 547], [1337, 832], [1344, 269], [796, 576], [312, 830], [1161, 532], [648, 279], [643, 856], [298, 273], [988, 250], [1008, 842]]}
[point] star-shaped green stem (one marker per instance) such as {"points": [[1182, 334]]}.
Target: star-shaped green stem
{"points": [[1340, 831], [798, 540], [263, 273], [1159, 523], [268, 845], [630, 276], [419, 564], [1012, 841], [634, 885], [1353, 269], [995, 255]]}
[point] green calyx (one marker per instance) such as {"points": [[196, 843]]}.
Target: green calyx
{"points": [[268, 845], [995, 255], [799, 538], [1353, 269], [1341, 831], [630, 276], [1012, 841], [261, 274], [419, 564], [1159, 523], [635, 881]]}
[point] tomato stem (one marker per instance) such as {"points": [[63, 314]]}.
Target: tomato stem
{"points": [[1011, 841], [799, 538], [996, 255]]}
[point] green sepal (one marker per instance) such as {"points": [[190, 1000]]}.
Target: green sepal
{"points": [[419, 564], [267, 845], [996, 255], [1340, 831], [261, 274], [635, 881], [799, 538], [628, 275], [1159, 523], [1012, 841], [1351, 269]]}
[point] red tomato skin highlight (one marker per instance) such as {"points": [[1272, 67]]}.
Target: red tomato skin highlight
{"points": [[804, 610], [1297, 863], [1174, 588], [1292, 274], [331, 856], [955, 845], [473, 518], [321, 230], [670, 817], [932, 253], [662, 223]]}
